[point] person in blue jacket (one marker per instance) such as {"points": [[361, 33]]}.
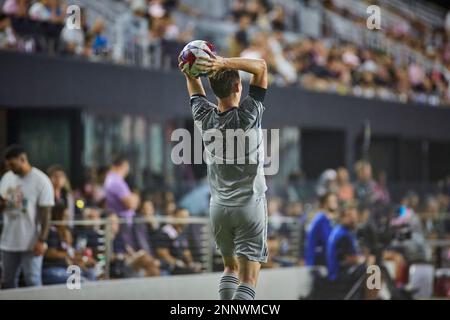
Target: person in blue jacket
{"points": [[319, 230]]}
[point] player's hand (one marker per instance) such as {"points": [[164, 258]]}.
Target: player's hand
{"points": [[182, 66], [211, 65]]}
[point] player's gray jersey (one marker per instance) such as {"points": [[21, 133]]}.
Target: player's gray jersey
{"points": [[234, 148]]}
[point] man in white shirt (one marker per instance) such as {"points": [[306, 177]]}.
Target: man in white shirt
{"points": [[26, 199]]}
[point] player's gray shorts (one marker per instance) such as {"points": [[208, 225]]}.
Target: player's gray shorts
{"points": [[241, 231]]}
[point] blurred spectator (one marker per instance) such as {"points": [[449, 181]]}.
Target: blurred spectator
{"points": [[26, 198], [169, 208], [8, 39], [15, 7], [94, 188], [172, 246], [48, 10], [89, 241], [145, 227], [327, 182], [125, 261], [413, 246], [381, 191], [345, 191], [98, 42], [345, 263], [433, 219], [274, 214], [132, 34], [120, 199], [62, 189], [320, 229], [73, 40], [60, 252], [240, 39], [364, 185]]}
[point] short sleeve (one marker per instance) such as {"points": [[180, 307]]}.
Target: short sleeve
{"points": [[251, 108], [257, 93], [3, 185], [200, 107], [121, 189], [46, 195]]}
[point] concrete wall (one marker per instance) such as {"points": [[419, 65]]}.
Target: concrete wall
{"points": [[35, 81], [277, 284]]}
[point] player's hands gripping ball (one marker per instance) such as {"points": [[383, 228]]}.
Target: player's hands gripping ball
{"points": [[189, 57]]}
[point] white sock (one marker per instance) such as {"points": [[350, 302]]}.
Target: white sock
{"points": [[227, 286], [244, 292]]}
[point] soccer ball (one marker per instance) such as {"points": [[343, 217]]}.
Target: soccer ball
{"points": [[190, 53]]}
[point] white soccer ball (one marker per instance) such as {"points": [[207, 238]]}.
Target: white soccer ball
{"points": [[192, 51]]}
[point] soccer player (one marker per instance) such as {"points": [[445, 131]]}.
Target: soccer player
{"points": [[238, 205]]}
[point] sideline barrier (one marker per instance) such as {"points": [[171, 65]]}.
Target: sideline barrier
{"points": [[275, 284]]}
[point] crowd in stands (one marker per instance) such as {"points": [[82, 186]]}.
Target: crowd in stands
{"points": [[139, 245], [143, 245], [150, 35]]}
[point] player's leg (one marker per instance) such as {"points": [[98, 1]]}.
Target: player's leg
{"points": [[250, 245], [248, 275], [223, 235], [229, 280]]}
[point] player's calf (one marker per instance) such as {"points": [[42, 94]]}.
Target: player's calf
{"points": [[229, 280]]}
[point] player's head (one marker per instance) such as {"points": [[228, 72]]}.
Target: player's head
{"points": [[16, 159], [121, 165], [226, 83]]}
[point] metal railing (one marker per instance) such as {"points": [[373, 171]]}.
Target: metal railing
{"points": [[288, 232]]}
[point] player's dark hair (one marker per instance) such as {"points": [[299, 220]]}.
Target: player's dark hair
{"points": [[222, 82], [14, 151], [119, 159]]}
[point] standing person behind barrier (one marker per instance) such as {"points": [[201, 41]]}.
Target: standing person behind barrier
{"points": [[120, 199], [62, 189], [26, 199], [319, 230]]}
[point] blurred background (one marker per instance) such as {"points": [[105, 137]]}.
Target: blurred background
{"points": [[362, 114]]}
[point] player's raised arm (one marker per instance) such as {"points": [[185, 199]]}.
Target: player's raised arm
{"points": [[194, 85], [257, 67]]}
